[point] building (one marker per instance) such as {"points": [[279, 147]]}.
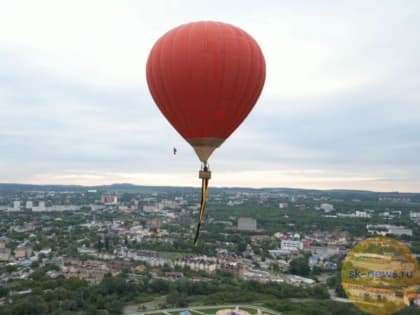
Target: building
{"points": [[283, 205], [362, 214], [148, 253], [386, 229], [149, 256], [41, 207], [4, 254], [170, 204], [63, 208], [29, 204], [16, 205], [415, 217], [325, 251], [92, 271], [20, 252], [232, 203], [154, 223], [327, 207], [109, 199], [23, 252], [278, 253], [152, 208], [321, 261], [235, 311], [296, 280], [389, 215], [247, 224], [86, 251], [291, 245], [212, 264], [231, 264], [203, 263]]}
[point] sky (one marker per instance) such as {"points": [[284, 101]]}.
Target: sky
{"points": [[340, 108]]}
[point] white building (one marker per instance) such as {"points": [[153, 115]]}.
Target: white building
{"points": [[232, 203], [291, 245], [414, 215], [386, 229], [86, 251], [327, 207], [45, 251], [16, 205], [40, 207], [152, 208], [171, 204], [362, 214], [280, 252], [283, 205], [63, 208], [29, 204], [294, 279]]}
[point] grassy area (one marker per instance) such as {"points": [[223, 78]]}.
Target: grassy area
{"points": [[250, 310]]}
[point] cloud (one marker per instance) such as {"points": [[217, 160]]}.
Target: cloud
{"points": [[339, 109]]}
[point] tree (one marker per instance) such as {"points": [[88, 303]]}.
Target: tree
{"points": [[11, 268], [3, 291], [33, 305], [299, 266]]}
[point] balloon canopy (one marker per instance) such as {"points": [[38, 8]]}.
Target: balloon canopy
{"points": [[205, 77]]}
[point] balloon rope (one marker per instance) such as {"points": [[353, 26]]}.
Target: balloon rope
{"points": [[204, 186]]}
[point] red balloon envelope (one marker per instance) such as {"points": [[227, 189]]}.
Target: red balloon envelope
{"points": [[205, 78]]}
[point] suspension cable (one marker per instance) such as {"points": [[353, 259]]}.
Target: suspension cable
{"points": [[204, 174]]}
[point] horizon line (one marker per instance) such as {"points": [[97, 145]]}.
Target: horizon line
{"points": [[218, 187]]}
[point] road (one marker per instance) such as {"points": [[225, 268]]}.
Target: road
{"points": [[334, 297]]}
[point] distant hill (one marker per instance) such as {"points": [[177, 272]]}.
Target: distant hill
{"points": [[126, 187], [79, 188]]}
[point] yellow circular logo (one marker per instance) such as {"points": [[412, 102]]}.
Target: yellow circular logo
{"points": [[380, 276]]}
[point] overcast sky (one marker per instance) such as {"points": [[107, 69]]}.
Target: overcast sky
{"points": [[340, 107]]}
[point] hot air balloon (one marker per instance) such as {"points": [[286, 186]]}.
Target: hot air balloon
{"points": [[205, 77]]}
